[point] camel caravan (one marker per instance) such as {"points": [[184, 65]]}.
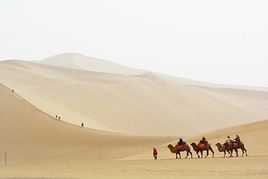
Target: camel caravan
{"points": [[203, 146]]}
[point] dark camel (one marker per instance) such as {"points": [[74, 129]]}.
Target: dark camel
{"points": [[207, 148], [235, 146], [223, 148], [178, 149]]}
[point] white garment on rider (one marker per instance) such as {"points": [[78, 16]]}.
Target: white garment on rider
{"points": [[229, 140]]}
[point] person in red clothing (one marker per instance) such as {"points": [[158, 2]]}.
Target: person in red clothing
{"points": [[155, 153]]}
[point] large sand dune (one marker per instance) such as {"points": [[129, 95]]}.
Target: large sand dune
{"points": [[148, 103], [38, 146], [31, 136]]}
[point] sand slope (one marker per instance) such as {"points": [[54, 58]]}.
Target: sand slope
{"points": [[40, 147], [30, 136], [145, 104]]}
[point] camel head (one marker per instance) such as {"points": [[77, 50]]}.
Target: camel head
{"points": [[219, 145], [171, 148], [193, 145]]}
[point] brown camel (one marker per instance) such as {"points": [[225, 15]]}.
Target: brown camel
{"points": [[197, 149], [235, 146], [223, 148], [178, 149]]}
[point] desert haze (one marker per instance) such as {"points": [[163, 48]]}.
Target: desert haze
{"points": [[126, 112]]}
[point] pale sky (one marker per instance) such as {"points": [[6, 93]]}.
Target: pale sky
{"points": [[215, 41]]}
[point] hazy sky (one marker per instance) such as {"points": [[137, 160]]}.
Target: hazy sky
{"points": [[216, 41]]}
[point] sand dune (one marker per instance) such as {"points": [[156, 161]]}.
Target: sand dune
{"points": [[30, 136], [38, 146], [145, 104], [80, 62]]}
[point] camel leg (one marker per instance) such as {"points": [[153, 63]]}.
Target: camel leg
{"points": [[187, 154], [191, 154], [246, 151], [207, 154], [180, 154], [201, 153], [197, 154], [236, 151], [242, 152], [176, 155], [224, 153], [231, 155], [212, 152]]}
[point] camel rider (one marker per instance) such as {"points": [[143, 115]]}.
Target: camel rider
{"points": [[203, 140], [181, 142], [237, 139], [229, 140]]}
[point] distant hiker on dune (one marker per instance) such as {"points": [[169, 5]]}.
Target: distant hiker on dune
{"points": [[155, 153], [82, 124]]}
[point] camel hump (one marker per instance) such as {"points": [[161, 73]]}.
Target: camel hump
{"points": [[180, 146], [201, 146]]}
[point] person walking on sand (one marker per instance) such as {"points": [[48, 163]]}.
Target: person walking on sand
{"points": [[155, 153]]}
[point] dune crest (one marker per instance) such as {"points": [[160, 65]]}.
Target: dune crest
{"points": [[81, 62]]}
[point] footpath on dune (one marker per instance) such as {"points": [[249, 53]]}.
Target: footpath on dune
{"points": [[30, 136]]}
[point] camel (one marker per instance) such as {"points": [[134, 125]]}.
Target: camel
{"points": [[178, 149], [197, 149], [235, 146], [223, 148]]}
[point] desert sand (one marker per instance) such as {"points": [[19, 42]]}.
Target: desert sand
{"points": [[39, 146], [126, 113], [130, 103]]}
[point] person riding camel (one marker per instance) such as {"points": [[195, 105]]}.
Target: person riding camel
{"points": [[203, 141], [237, 139], [181, 142], [229, 140]]}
